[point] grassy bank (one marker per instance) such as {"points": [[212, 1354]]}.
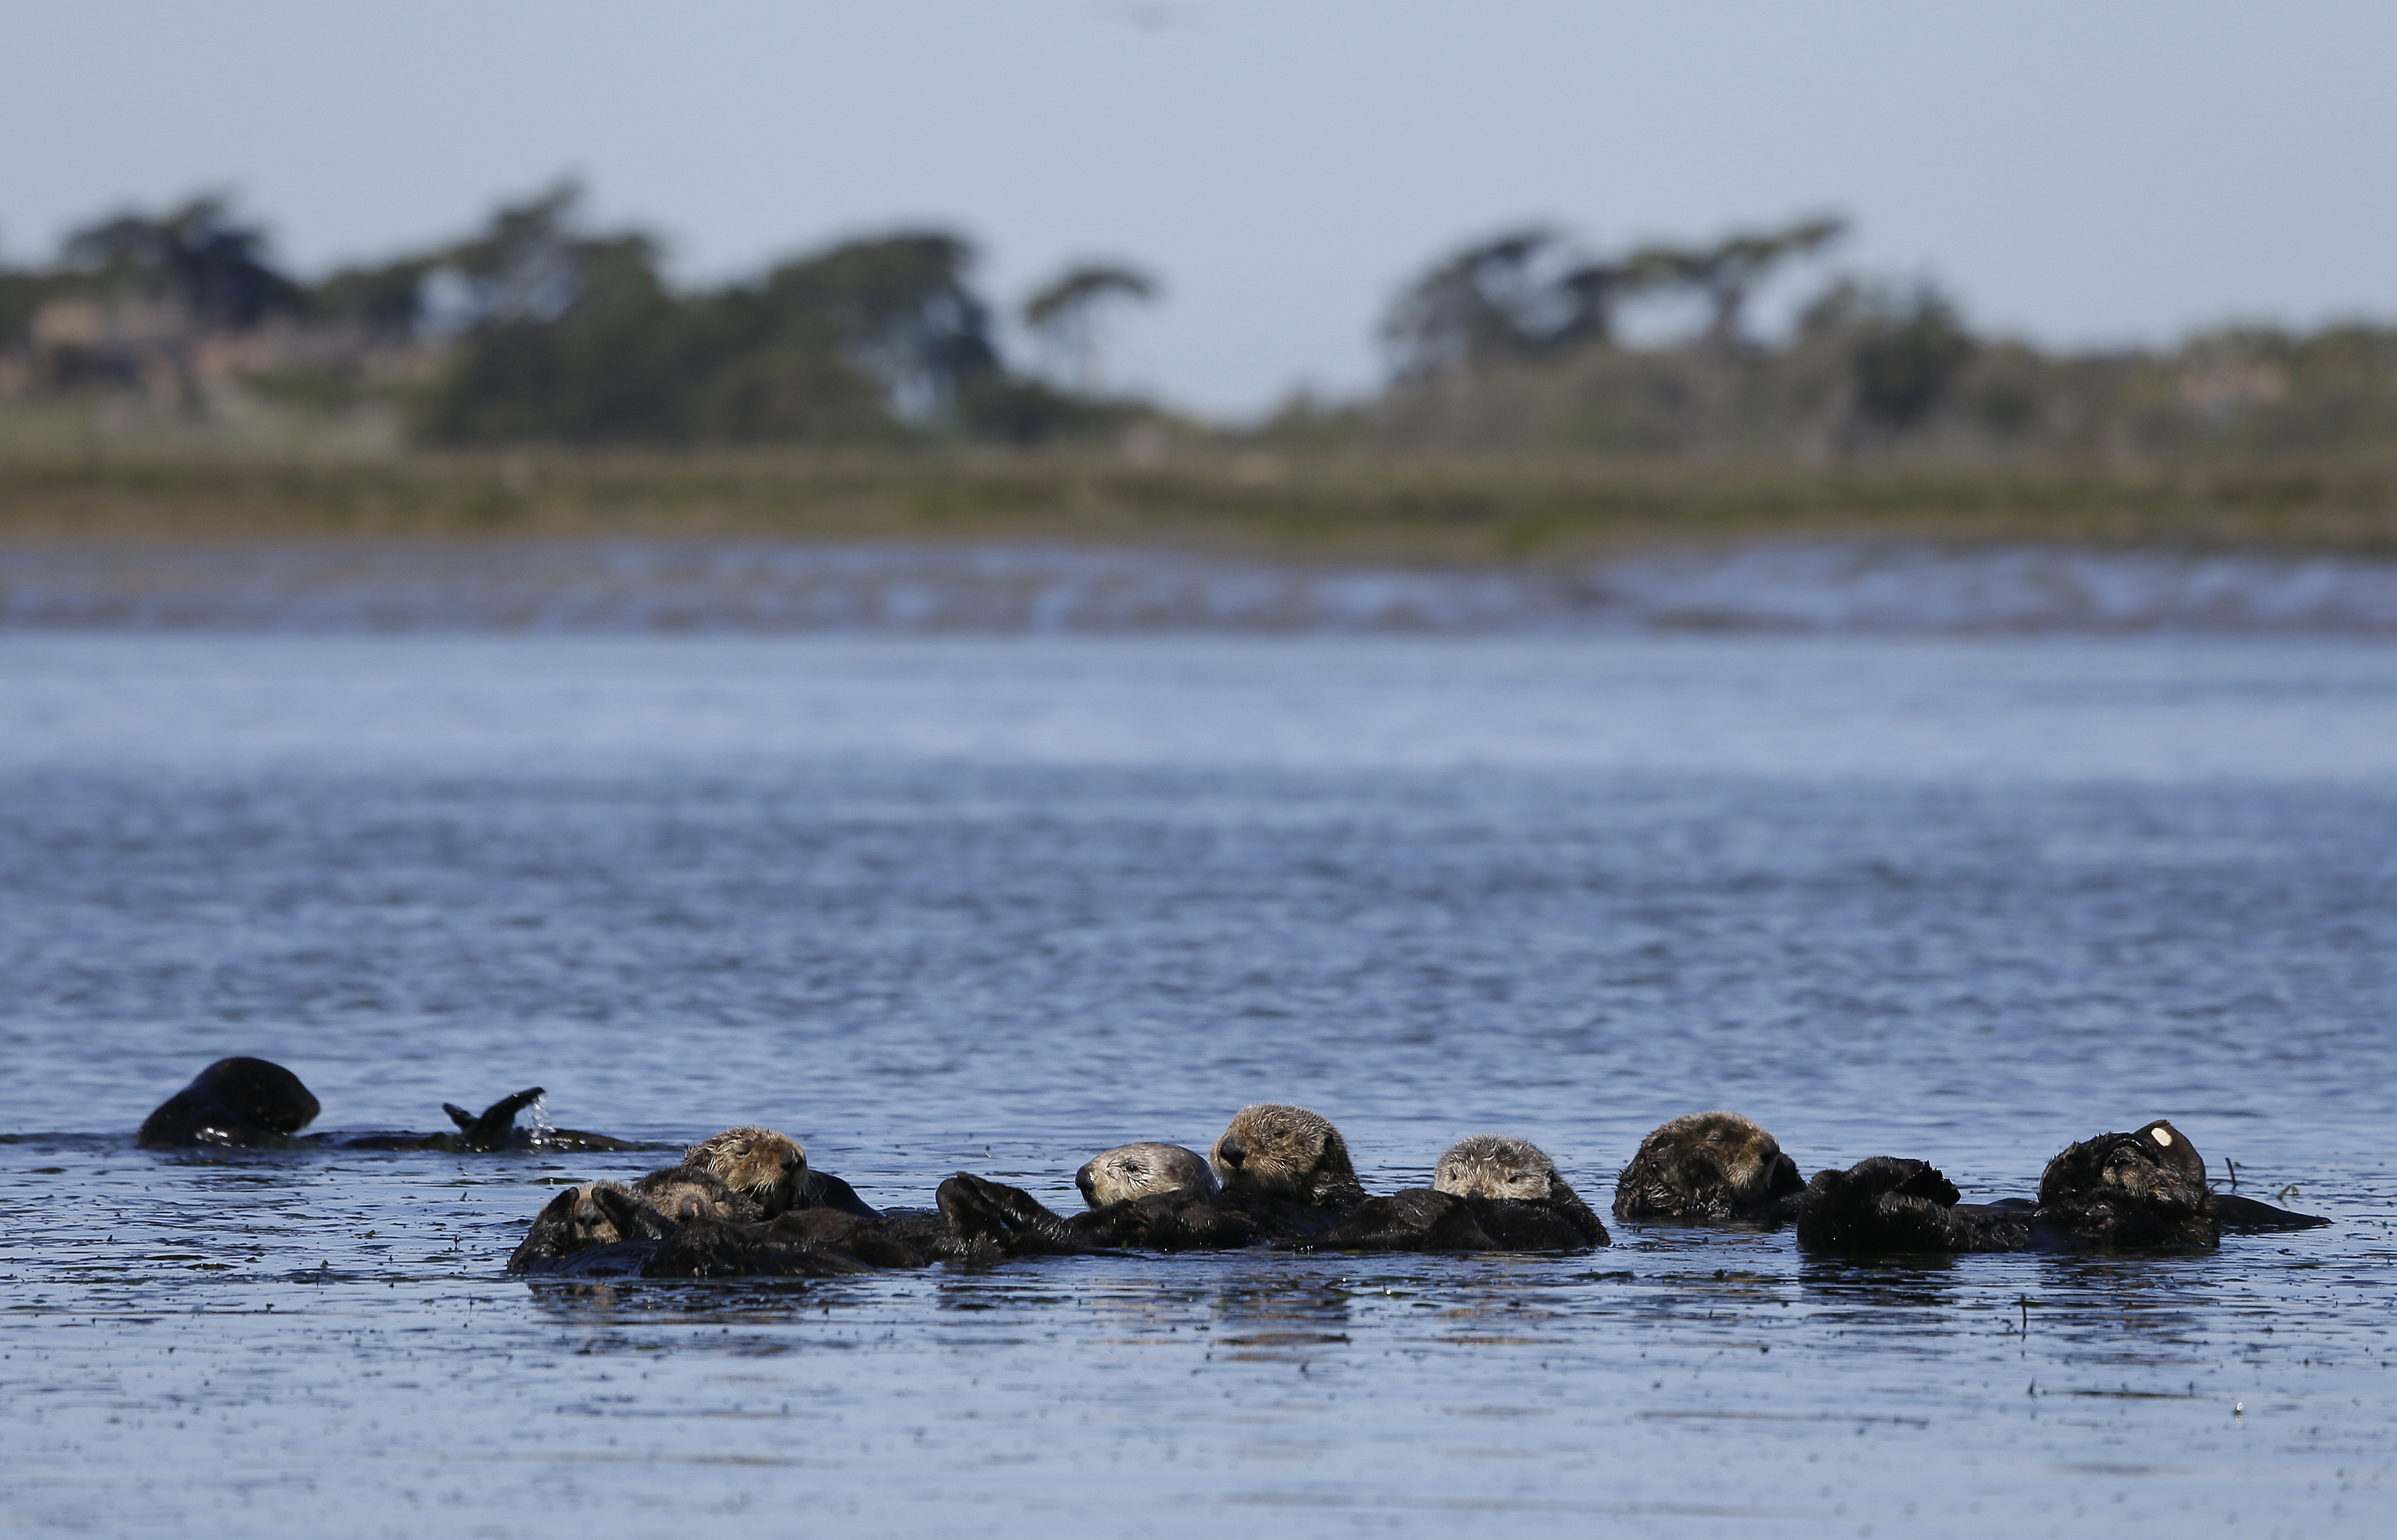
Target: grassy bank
{"points": [[1399, 509]]}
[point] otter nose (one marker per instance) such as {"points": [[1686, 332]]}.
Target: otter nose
{"points": [[1082, 1179], [1232, 1151]]}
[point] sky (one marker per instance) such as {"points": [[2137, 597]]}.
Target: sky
{"points": [[2080, 173]]}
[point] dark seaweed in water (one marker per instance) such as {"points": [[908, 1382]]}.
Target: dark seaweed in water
{"points": [[936, 908]]}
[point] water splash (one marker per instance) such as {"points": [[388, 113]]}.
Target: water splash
{"points": [[545, 1132]]}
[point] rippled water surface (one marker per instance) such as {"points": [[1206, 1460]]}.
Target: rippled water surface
{"points": [[995, 905]]}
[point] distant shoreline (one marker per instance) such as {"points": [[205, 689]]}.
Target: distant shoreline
{"points": [[1522, 514]]}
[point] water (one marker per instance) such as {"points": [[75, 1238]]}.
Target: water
{"points": [[567, 584], [994, 904]]}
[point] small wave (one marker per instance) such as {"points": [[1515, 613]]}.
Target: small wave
{"points": [[723, 586]]}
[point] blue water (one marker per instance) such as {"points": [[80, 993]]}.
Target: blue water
{"points": [[994, 905]]}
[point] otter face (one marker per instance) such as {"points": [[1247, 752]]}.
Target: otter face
{"points": [[1138, 1170], [1491, 1165], [763, 1166], [684, 1194], [589, 1216], [1705, 1165], [1280, 1151], [2155, 1165]]}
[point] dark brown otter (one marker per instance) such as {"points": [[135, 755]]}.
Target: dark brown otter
{"points": [[2146, 1188], [1274, 1150], [1708, 1165], [240, 1103], [2142, 1189], [1886, 1204]]}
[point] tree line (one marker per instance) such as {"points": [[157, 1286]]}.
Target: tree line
{"points": [[540, 327]]}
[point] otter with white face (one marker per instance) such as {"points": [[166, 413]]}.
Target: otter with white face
{"points": [[1707, 1165], [1140, 1170], [767, 1168], [1493, 1165], [1490, 1192], [1273, 1150]]}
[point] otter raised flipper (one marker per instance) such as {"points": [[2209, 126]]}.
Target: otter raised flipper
{"points": [[490, 1131], [2248, 1217], [237, 1103]]}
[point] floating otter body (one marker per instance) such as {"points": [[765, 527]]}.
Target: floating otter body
{"points": [[744, 1203], [602, 1229], [1287, 1178], [256, 1103], [234, 1103], [1490, 1192], [1708, 1165], [2142, 1189]]}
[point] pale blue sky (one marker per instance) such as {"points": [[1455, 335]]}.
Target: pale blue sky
{"points": [[2078, 171]]}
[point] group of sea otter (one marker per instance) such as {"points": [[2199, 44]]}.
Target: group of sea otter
{"points": [[745, 1202]]}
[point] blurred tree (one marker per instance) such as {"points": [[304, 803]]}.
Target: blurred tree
{"points": [[198, 254], [1067, 314], [563, 336], [1911, 351], [1727, 274], [899, 309], [1487, 302]]}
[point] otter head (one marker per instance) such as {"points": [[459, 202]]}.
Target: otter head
{"points": [[1280, 1151], [685, 1193], [2155, 1165], [1491, 1165], [763, 1166], [1138, 1170], [596, 1213], [1706, 1166]]}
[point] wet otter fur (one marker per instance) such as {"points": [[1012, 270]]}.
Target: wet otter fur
{"points": [[1140, 1170], [767, 1168], [234, 1103], [1490, 1192], [487, 1132], [684, 1222], [1708, 1165], [2142, 1189], [1887, 1204], [1274, 1150], [684, 1194], [1517, 1194]]}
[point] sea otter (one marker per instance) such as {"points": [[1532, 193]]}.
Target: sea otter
{"points": [[1490, 1192], [1517, 1194], [1286, 1153], [1285, 1171], [1708, 1165], [235, 1102], [2140, 1189], [1139, 1170], [707, 1229], [772, 1171]]}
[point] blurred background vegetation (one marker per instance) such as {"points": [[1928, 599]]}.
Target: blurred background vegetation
{"points": [[163, 371]]}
